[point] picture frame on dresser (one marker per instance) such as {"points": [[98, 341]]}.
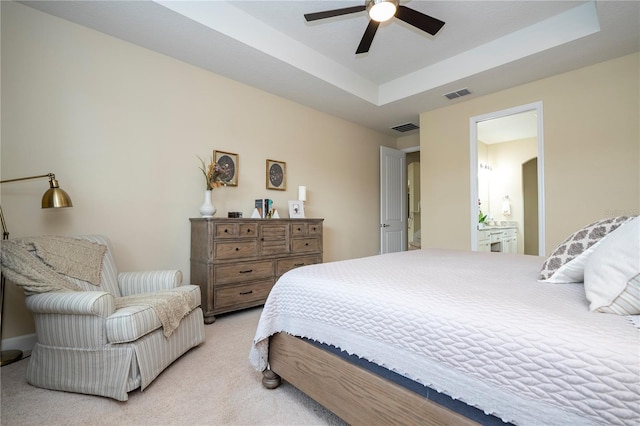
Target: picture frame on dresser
{"points": [[228, 161], [276, 172], [296, 209]]}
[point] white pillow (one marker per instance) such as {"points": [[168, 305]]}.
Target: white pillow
{"points": [[566, 263], [612, 274]]}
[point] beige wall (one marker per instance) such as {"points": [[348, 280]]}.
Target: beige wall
{"points": [[591, 151], [408, 141], [121, 127]]}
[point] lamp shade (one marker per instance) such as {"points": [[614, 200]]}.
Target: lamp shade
{"points": [[55, 196], [302, 193]]}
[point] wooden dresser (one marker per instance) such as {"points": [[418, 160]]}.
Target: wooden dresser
{"points": [[237, 261]]}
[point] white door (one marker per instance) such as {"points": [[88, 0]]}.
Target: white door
{"points": [[393, 200]]}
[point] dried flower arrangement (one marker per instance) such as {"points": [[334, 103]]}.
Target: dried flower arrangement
{"points": [[215, 175]]}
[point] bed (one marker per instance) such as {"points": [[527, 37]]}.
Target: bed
{"points": [[477, 328]]}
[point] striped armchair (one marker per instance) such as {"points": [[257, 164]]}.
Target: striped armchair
{"points": [[86, 345]]}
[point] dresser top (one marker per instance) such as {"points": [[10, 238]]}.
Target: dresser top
{"points": [[205, 219]]}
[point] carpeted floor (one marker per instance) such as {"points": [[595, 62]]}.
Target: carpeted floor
{"points": [[213, 384]]}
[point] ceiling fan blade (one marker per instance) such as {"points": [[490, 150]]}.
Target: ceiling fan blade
{"points": [[367, 38], [419, 20], [331, 13]]}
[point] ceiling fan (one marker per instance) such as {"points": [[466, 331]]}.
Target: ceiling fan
{"points": [[381, 11]]}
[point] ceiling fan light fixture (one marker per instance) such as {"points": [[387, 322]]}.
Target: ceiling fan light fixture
{"points": [[382, 10]]}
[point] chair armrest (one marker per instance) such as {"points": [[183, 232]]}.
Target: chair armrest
{"points": [[98, 303], [148, 281]]}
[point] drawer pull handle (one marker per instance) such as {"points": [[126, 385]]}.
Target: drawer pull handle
{"points": [[306, 244], [237, 249], [226, 231], [299, 229], [247, 271], [248, 231], [298, 264], [244, 293]]}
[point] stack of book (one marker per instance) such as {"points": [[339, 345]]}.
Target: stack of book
{"points": [[264, 207]]}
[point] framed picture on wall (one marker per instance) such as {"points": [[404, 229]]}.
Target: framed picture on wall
{"points": [[229, 163], [276, 175]]}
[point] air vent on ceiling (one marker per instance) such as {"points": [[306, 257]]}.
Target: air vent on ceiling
{"points": [[458, 93], [405, 127]]}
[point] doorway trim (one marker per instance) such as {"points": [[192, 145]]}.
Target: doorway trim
{"points": [[473, 167], [411, 149]]}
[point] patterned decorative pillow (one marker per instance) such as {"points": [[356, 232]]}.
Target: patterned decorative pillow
{"points": [[566, 263], [612, 275]]}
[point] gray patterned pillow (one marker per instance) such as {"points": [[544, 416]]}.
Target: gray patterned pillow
{"points": [[566, 263]]}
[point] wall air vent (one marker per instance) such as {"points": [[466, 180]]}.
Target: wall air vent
{"points": [[458, 93], [407, 127]]}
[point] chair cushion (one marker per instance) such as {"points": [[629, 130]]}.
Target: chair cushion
{"points": [[130, 323]]}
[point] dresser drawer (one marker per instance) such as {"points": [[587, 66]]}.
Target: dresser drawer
{"points": [[247, 230], [315, 229], [235, 230], [239, 296], [244, 271], [235, 249], [301, 245], [225, 230], [298, 229], [285, 265]]}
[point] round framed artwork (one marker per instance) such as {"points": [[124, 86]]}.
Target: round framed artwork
{"points": [[276, 175], [229, 163]]}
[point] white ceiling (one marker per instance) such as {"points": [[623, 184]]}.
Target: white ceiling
{"points": [[485, 46]]}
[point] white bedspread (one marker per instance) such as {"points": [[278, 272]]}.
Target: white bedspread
{"points": [[476, 326]]}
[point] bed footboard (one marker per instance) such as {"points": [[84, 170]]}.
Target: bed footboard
{"points": [[352, 393]]}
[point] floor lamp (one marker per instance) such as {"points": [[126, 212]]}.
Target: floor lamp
{"points": [[53, 198]]}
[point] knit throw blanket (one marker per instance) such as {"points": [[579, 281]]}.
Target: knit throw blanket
{"points": [[36, 264], [170, 306], [73, 257]]}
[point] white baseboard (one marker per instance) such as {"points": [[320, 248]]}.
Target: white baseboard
{"points": [[24, 343]]}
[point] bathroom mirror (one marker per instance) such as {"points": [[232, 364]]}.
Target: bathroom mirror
{"points": [[507, 181]]}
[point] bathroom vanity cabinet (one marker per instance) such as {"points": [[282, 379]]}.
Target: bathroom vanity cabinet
{"points": [[498, 239]]}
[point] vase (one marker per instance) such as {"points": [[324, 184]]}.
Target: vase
{"points": [[207, 208]]}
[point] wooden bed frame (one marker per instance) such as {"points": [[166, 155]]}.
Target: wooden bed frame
{"points": [[354, 394]]}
